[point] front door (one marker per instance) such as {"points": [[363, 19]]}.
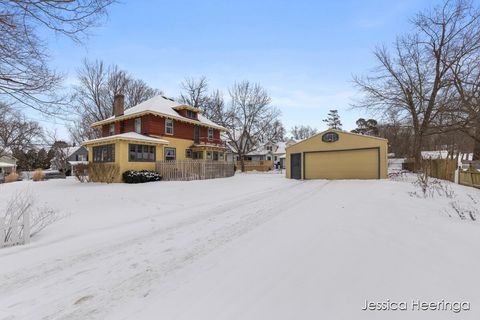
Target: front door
{"points": [[296, 166], [196, 134]]}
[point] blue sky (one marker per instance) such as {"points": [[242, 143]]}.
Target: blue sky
{"points": [[303, 52]]}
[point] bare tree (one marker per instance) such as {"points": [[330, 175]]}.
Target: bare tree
{"points": [[16, 132], [195, 92], [25, 76], [302, 132], [94, 94], [415, 80], [249, 118]]}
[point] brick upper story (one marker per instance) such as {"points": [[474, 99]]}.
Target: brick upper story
{"points": [[154, 125], [159, 116]]}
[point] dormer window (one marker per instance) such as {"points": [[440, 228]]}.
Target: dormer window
{"points": [[191, 114], [168, 126], [210, 133], [138, 125]]}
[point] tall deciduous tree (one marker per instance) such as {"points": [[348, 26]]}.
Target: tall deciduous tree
{"points": [[25, 76], [250, 118], [16, 132], [302, 132], [415, 78], [94, 93]]}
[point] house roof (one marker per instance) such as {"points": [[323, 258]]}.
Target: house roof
{"points": [[6, 165], [162, 106], [130, 136]]}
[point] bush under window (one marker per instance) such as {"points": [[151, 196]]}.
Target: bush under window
{"points": [[131, 176]]}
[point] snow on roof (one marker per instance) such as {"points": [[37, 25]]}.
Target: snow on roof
{"points": [[6, 165], [438, 154], [127, 136], [164, 106]]}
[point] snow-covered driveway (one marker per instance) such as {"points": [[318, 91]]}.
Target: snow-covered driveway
{"points": [[255, 246]]}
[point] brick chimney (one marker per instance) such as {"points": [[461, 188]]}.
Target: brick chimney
{"points": [[118, 105]]}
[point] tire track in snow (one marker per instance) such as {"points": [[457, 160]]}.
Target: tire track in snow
{"points": [[270, 203]]}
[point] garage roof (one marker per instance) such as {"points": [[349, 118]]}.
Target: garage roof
{"points": [[339, 131]]}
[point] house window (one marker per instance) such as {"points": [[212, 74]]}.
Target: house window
{"points": [[191, 114], [269, 148], [269, 158], [215, 155], [209, 155], [141, 153], [220, 156], [170, 154], [210, 133], [105, 153], [198, 155], [188, 153], [81, 157], [168, 126], [138, 125], [111, 129]]}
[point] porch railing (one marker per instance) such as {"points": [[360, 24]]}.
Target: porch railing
{"points": [[186, 170]]}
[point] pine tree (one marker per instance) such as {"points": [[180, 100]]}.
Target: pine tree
{"points": [[333, 120]]}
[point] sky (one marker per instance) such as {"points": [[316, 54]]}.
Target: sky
{"points": [[304, 53]]}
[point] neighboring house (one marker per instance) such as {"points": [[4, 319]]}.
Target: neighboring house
{"points": [[335, 154], [154, 130], [465, 159], [8, 164], [72, 156], [274, 152]]}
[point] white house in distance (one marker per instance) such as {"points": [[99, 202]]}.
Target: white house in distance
{"points": [[8, 164], [274, 152]]}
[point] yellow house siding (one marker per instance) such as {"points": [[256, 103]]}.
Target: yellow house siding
{"points": [[122, 156], [180, 146], [343, 156]]}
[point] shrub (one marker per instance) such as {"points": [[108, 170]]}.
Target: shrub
{"points": [[12, 177], [141, 176], [103, 172], [81, 172], [38, 175]]}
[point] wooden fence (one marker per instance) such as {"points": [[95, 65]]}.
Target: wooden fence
{"points": [[186, 170], [441, 168], [15, 232], [470, 177], [256, 165]]}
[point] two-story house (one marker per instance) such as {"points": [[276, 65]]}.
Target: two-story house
{"points": [[154, 130]]}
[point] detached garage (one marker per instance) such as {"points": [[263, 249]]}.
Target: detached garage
{"points": [[335, 154]]}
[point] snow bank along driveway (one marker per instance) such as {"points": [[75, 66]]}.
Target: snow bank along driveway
{"points": [[255, 246]]}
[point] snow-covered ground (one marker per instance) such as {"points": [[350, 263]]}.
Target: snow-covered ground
{"points": [[255, 246]]}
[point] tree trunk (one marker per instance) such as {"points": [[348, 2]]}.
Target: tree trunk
{"points": [[242, 162], [476, 145], [417, 151]]}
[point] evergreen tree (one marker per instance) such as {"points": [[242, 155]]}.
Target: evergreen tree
{"points": [[368, 127], [333, 120]]}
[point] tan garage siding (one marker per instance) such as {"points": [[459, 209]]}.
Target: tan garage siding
{"points": [[353, 156], [345, 164]]}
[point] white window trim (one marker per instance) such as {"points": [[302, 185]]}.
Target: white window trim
{"points": [[167, 121], [210, 134], [139, 121], [110, 131], [174, 152]]}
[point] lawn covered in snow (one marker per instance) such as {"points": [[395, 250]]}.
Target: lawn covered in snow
{"points": [[254, 246]]}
